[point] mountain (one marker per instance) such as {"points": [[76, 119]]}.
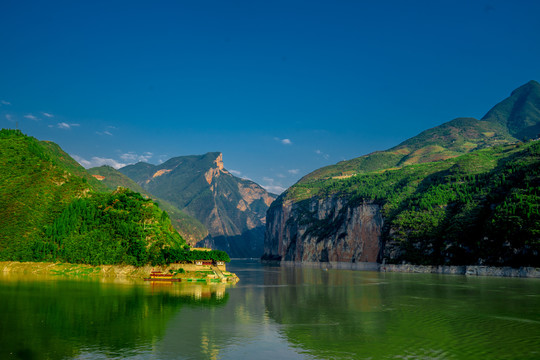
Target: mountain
{"points": [[232, 209], [519, 113], [464, 192], [513, 119], [51, 209], [191, 229]]}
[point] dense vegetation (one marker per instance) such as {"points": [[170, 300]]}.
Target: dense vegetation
{"points": [[52, 210], [191, 229], [464, 192], [480, 207]]}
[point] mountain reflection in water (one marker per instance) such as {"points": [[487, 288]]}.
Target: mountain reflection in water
{"points": [[273, 313], [55, 317]]}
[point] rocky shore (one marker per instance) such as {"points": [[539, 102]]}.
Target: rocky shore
{"points": [[470, 270]]}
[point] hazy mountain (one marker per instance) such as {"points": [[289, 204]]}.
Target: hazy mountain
{"points": [[464, 192], [232, 209], [191, 229]]}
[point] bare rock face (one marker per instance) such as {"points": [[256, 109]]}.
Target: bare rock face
{"points": [[233, 210], [330, 229]]}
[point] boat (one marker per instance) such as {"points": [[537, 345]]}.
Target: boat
{"points": [[159, 276]]}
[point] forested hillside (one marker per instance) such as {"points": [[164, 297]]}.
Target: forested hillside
{"points": [[481, 206], [464, 192], [191, 229], [51, 209]]}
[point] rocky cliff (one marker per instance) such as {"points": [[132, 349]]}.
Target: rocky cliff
{"points": [[232, 209], [324, 229], [466, 192]]}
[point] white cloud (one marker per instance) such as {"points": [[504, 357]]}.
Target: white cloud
{"points": [[162, 158], [271, 186], [47, 114], [98, 161], [284, 141], [325, 156], [235, 172], [133, 157], [31, 117], [4, 102], [104, 133], [293, 171], [9, 117], [64, 125], [274, 189]]}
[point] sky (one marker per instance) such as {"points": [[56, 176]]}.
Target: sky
{"points": [[281, 88]]}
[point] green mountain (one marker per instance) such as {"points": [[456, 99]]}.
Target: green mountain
{"points": [[232, 209], [465, 192], [51, 209], [191, 229], [519, 113], [515, 118]]}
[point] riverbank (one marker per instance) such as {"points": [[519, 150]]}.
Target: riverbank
{"points": [[470, 270], [191, 272]]}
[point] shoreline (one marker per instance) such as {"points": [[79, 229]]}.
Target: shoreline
{"points": [[192, 271], [465, 270]]}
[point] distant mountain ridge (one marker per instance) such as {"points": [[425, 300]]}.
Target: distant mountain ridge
{"points": [[232, 209], [513, 119]]}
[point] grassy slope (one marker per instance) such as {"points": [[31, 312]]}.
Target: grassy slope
{"points": [[515, 118], [446, 141], [190, 228]]}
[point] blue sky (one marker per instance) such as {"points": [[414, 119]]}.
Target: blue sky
{"points": [[280, 87]]}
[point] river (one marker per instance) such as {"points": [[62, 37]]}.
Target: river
{"points": [[272, 313]]}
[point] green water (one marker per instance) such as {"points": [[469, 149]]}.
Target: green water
{"points": [[272, 313]]}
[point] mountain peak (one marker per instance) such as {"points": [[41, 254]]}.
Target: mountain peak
{"points": [[526, 89], [219, 161], [520, 112]]}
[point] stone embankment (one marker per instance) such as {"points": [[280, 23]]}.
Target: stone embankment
{"points": [[471, 270], [192, 271]]}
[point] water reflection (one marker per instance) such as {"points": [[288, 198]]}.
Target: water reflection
{"points": [[273, 312], [385, 316], [55, 318]]}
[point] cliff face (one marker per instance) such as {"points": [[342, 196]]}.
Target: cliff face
{"points": [[232, 209], [328, 229], [465, 192]]}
